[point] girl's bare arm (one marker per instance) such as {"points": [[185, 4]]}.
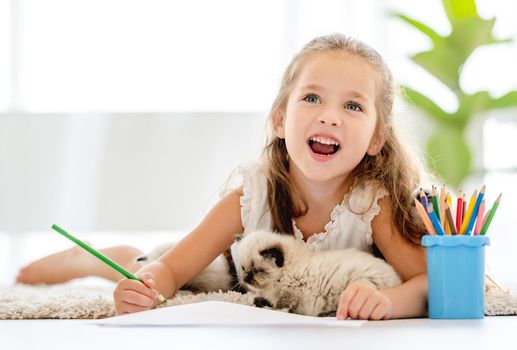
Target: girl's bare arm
{"points": [[184, 261], [409, 260], [213, 236]]}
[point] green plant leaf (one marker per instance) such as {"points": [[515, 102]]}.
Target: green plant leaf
{"points": [[443, 64], [506, 101], [470, 33], [434, 36], [448, 155], [472, 104], [418, 99], [458, 9]]}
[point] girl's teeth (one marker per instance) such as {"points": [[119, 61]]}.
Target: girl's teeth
{"points": [[324, 140]]}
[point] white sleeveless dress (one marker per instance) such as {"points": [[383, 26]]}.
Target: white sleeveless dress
{"points": [[346, 228]]}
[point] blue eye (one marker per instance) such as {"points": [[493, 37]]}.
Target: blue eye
{"points": [[312, 98], [354, 106]]}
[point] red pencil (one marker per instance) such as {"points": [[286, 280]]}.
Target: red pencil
{"points": [[459, 212]]}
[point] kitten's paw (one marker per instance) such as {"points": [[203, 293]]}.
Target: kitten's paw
{"points": [[262, 302], [327, 314]]}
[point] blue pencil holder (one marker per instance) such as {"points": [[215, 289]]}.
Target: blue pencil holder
{"points": [[456, 276]]}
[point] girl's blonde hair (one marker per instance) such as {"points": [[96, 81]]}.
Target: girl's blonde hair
{"points": [[395, 168]]}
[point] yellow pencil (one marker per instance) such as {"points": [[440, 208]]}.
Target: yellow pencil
{"points": [[468, 214], [442, 208], [449, 199], [449, 202]]}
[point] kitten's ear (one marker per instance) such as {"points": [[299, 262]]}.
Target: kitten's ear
{"points": [[274, 253]]}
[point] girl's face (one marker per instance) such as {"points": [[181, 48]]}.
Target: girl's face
{"points": [[330, 117]]}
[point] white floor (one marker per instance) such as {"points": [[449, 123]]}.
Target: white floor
{"points": [[422, 334]]}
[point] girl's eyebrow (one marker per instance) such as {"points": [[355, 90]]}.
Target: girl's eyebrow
{"points": [[312, 87], [355, 94]]}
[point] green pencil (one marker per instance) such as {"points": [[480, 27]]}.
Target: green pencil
{"points": [[490, 216], [103, 258], [434, 201]]}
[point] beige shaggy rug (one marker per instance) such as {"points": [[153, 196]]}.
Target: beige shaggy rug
{"points": [[69, 301]]}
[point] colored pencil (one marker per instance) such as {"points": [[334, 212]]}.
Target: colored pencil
{"points": [[434, 220], [425, 218], [479, 221], [491, 215], [450, 221], [443, 198], [434, 200], [445, 224], [423, 198], [468, 214], [103, 258], [474, 213], [484, 220], [459, 211], [464, 209]]}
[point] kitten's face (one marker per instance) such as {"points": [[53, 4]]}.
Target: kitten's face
{"points": [[261, 258]]}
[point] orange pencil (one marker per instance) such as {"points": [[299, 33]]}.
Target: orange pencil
{"points": [[425, 218]]}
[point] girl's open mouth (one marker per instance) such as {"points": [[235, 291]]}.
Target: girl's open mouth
{"points": [[323, 148]]}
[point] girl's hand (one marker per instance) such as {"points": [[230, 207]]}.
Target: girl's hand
{"points": [[362, 301], [134, 296]]}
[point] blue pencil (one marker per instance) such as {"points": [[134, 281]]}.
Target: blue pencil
{"points": [[435, 221], [475, 211], [423, 199]]}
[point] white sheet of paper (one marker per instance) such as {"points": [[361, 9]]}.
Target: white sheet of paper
{"points": [[218, 313]]}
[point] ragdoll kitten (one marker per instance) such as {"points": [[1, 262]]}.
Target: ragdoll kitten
{"points": [[287, 275], [215, 277]]}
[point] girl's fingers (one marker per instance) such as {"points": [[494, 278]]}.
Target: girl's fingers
{"points": [[139, 287], [133, 296], [344, 302], [357, 303], [146, 276], [148, 279], [149, 283], [378, 312], [126, 308], [369, 305], [137, 299]]}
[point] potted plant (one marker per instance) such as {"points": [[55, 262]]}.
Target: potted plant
{"points": [[447, 152]]}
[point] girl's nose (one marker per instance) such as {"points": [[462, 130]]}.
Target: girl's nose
{"points": [[329, 120]]}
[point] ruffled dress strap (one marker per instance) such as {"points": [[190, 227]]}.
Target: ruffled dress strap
{"points": [[254, 203], [365, 202]]}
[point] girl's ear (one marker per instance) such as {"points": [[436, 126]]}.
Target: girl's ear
{"points": [[376, 144], [278, 122]]}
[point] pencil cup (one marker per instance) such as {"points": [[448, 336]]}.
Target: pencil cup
{"points": [[456, 275]]}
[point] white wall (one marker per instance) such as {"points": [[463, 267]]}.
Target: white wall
{"points": [[119, 172]]}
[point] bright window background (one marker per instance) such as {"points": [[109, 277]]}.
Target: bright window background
{"points": [[89, 88], [163, 56], [5, 52]]}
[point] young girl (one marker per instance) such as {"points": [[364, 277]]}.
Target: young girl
{"points": [[333, 173]]}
